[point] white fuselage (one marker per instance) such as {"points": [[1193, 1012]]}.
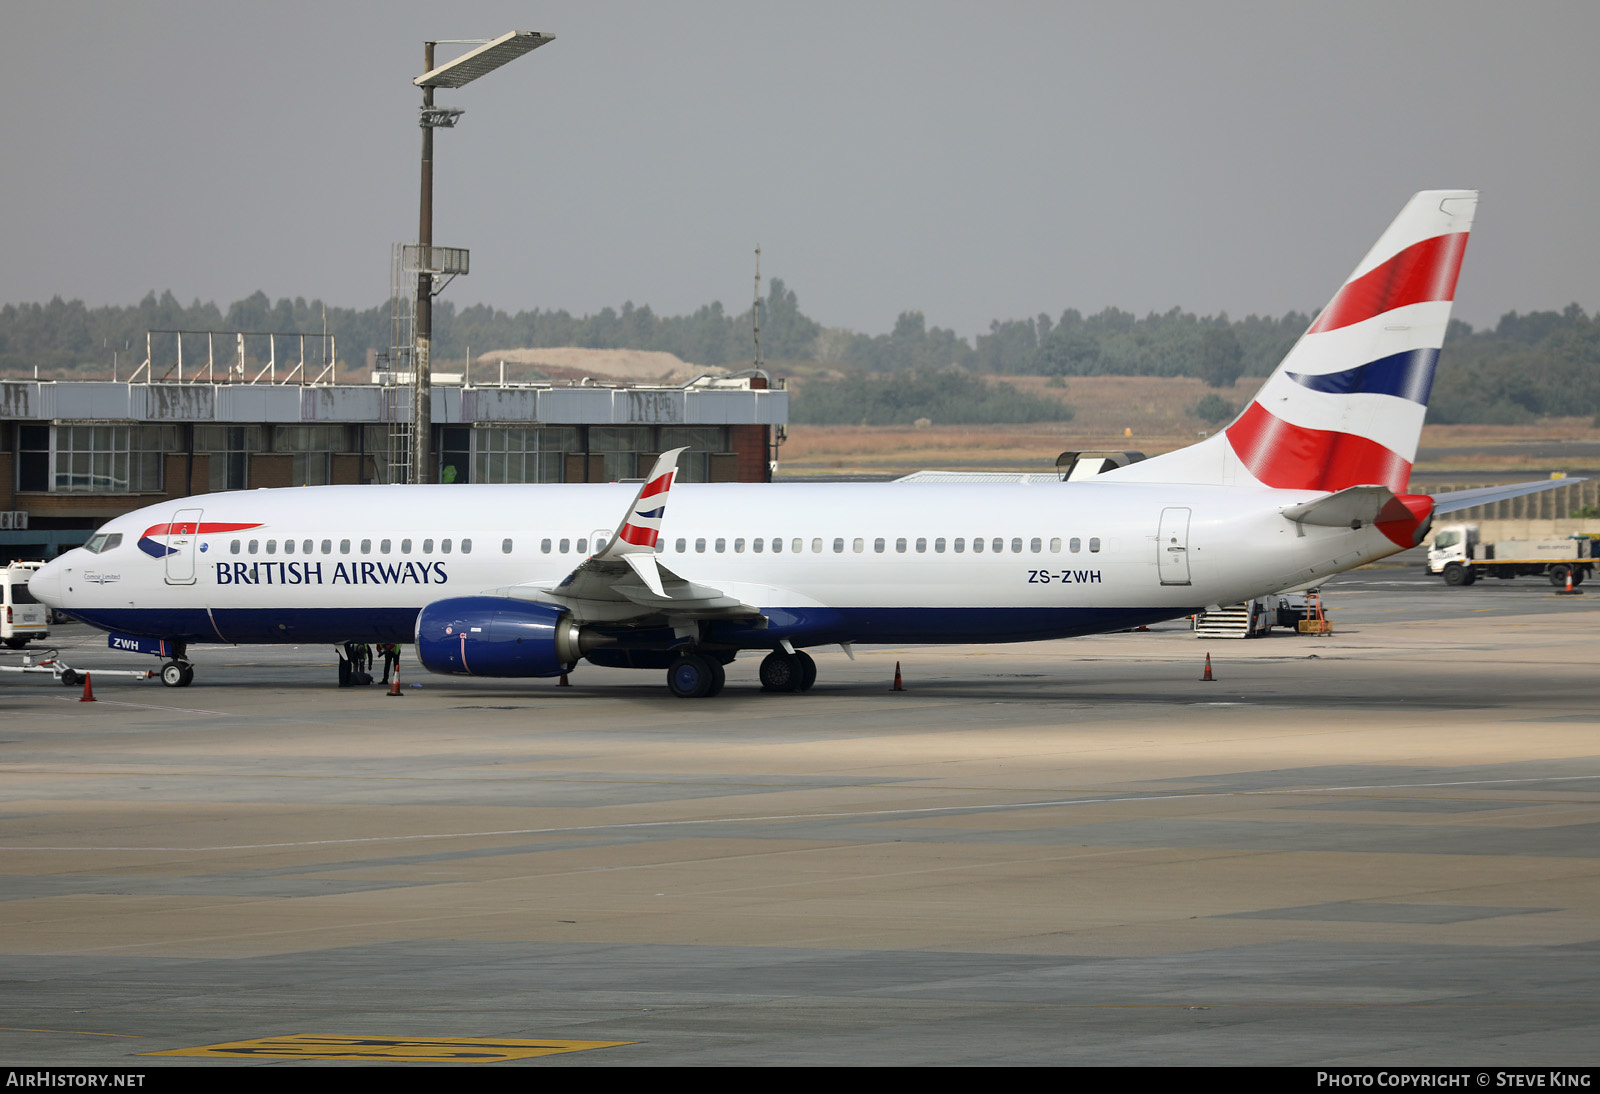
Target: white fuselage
{"points": [[826, 562]]}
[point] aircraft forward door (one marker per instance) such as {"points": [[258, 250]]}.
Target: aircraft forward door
{"points": [[1172, 547], [183, 539]]}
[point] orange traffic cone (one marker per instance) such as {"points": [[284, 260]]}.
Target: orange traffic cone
{"points": [[564, 682], [1207, 675], [394, 683], [897, 685], [88, 691], [1570, 590]]}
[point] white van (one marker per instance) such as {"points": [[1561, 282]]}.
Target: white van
{"points": [[22, 618]]}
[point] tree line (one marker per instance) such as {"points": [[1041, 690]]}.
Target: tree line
{"points": [[1525, 366]]}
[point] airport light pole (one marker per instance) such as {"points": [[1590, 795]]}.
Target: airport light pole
{"points": [[490, 55]]}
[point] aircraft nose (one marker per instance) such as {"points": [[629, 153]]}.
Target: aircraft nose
{"points": [[45, 584]]}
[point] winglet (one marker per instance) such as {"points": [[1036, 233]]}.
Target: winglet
{"points": [[639, 530]]}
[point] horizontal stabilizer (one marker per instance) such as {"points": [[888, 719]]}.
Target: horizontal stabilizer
{"points": [[1456, 500], [1349, 508]]}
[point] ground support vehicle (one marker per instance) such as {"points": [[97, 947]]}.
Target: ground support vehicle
{"points": [[22, 618], [1299, 611], [1461, 557]]}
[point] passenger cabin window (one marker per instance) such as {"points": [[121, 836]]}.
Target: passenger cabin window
{"points": [[858, 545], [272, 546], [922, 545], [383, 546], [544, 546], [777, 545], [1094, 543], [755, 545], [738, 546], [366, 546], [977, 546], [879, 544], [444, 546], [1016, 546], [681, 546], [344, 546], [721, 545], [1055, 546], [700, 545], [938, 546], [288, 546], [233, 548], [505, 546], [838, 546], [900, 545], [566, 545], [1074, 544], [255, 545], [405, 546], [960, 545], [327, 546], [1035, 545]]}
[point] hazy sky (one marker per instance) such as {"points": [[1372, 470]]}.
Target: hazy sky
{"points": [[972, 160]]}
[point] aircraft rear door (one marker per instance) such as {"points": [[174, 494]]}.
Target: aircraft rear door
{"points": [[1172, 547], [183, 541]]}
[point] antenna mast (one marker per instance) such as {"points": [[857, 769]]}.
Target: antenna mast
{"points": [[755, 309]]}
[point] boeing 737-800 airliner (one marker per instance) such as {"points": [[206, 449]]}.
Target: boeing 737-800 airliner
{"points": [[526, 581]]}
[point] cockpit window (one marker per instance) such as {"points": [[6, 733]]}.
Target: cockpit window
{"points": [[101, 542]]}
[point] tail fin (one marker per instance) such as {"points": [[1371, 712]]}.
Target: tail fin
{"points": [[1345, 407]]}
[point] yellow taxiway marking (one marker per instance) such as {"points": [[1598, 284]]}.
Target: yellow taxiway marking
{"points": [[459, 1050]]}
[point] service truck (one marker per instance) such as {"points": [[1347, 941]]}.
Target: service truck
{"points": [[1461, 557]]}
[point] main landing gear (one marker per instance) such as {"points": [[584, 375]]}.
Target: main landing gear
{"points": [[177, 674], [699, 675], [696, 676], [782, 671]]}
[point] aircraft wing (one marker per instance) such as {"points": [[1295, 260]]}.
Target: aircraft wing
{"points": [[625, 581]]}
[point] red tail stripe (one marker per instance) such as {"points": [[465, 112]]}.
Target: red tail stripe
{"points": [[640, 537], [1422, 272], [657, 486], [1292, 457]]}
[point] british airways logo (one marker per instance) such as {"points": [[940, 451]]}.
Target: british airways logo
{"points": [[176, 536], [340, 573]]}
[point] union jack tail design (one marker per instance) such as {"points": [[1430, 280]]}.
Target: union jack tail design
{"points": [[642, 526], [1345, 407]]}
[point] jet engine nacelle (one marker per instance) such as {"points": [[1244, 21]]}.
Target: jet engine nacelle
{"points": [[496, 636]]}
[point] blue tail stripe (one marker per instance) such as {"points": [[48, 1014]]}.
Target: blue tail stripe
{"points": [[1407, 375]]}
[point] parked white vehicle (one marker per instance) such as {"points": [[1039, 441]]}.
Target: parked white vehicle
{"points": [[1461, 557], [22, 618]]}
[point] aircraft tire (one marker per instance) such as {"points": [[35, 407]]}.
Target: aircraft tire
{"points": [[691, 676], [782, 671], [173, 674], [808, 670], [719, 677]]}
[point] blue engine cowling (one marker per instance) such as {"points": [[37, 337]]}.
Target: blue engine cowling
{"points": [[496, 636]]}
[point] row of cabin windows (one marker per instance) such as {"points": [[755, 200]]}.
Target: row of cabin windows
{"points": [[880, 545], [385, 546]]}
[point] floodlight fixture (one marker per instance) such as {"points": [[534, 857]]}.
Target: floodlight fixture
{"points": [[485, 59]]}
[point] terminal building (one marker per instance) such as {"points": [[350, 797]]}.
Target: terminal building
{"points": [[74, 454]]}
